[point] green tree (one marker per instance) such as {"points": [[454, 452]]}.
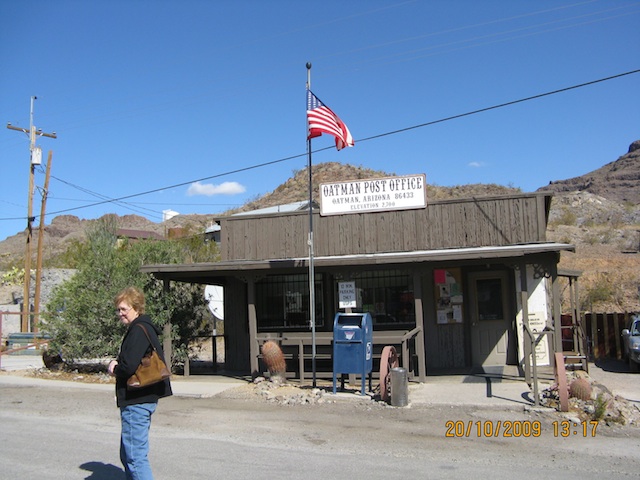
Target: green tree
{"points": [[81, 317]]}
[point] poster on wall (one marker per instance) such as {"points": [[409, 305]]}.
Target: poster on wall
{"points": [[448, 295]]}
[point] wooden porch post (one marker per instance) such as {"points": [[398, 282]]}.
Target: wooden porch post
{"points": [[166, 333], [557, 308], [524, 302], [253, 324], [420, 351]]}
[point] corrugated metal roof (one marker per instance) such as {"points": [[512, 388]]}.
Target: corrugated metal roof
{"points": [[195, 272], [286, 208]]}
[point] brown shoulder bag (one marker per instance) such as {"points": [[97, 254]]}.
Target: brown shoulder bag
{"points": [[151, 369]]}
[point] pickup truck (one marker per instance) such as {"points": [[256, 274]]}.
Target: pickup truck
{"points": [[631, 343]]}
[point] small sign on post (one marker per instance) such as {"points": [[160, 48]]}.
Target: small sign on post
{"points": [[347, 295]]}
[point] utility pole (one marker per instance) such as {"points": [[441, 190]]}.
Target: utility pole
{"points": [[35, 159], [36, 298]]}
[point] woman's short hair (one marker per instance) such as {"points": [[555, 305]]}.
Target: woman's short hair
{"points": [[133, 296]]}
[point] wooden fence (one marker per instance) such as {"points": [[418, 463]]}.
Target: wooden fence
{"points": [[604, 333]]}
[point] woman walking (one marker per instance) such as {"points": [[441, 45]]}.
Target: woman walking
{"points": [[136, 406]]}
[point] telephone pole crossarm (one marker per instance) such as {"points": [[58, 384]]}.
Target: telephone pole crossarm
{"points": [[27, 131]]}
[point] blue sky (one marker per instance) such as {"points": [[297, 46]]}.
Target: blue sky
{"points": [[154, 96]]}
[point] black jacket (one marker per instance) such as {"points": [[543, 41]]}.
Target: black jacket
{"points": [[134, 346]]}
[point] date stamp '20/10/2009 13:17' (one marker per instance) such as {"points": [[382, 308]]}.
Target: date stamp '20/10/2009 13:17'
{"points": [[515, 429]]}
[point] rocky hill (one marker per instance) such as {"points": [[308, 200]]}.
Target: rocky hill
{"points": [[617, 181], [598, 212]]}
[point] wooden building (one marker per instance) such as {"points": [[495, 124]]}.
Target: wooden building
{"points": [[459, 284]]}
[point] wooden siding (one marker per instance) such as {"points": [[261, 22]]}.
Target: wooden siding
{"points": [[490, 221]]}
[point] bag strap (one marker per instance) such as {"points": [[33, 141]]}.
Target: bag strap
{"points": [[144, 329]]}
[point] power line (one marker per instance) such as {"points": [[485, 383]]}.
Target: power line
{"points": [[486, 109], [473, 42], [393, 132], [106, 198], [155, 190], [175, 204]]}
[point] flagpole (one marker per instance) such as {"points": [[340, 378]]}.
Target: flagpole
{"points": [[312, 300]]}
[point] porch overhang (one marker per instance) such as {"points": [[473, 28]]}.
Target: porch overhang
{"points": [[207, 271]]}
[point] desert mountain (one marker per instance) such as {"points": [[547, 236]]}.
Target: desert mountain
{"points": [[617, 181], [599, 212]]}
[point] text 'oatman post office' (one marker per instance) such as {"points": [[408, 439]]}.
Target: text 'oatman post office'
{"points": [[392, 193]]}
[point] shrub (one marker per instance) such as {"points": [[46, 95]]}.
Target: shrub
{"points": [[566, 217], [15, 276], [601, 403], [602, 290], [80, 315]]}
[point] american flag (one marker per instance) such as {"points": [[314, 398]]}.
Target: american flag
{"points": [[323, 120]]}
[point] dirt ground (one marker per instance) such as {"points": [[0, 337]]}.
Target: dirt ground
{"points": [[616, 412], [414, 438]]}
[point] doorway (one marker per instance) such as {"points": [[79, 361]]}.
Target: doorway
{"points": [[490, 318]]}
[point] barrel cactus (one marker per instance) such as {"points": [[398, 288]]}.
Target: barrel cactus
{"points": [[580, 388], [274, 360]]}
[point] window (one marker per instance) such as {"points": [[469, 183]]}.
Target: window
{"points": [[490, 304], [282, 302], [388, 297]]}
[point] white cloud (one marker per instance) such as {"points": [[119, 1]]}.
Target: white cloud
{"points": [[476, 164], [226, 188]]}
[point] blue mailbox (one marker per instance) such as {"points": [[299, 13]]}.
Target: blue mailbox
{"points": [[352, 345]]}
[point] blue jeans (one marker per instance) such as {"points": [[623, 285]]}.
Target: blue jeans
{"points": [[134, 440]]}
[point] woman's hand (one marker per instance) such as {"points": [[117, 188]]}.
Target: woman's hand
{"points": [[112, 366]]}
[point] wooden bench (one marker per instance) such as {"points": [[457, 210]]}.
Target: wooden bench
{"points": [[297, 346]]}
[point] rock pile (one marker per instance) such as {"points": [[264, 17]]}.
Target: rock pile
{"points": [[283, 393], [602, 405]]}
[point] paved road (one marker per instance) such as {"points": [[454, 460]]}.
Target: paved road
{"points": [[616, 376], [52, 431]]}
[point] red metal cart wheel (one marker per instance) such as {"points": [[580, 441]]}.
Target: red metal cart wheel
{"points": [[388, 360]]}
